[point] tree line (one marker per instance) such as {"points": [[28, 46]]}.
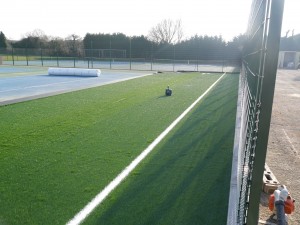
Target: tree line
{"points": [[195, 48]]}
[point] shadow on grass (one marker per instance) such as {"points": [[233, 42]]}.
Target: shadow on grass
{"points": [[163, 96], [186, 179]]}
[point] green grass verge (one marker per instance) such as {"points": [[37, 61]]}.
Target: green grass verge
{"points": [[57, 153], [186, 179], [21, 58]]}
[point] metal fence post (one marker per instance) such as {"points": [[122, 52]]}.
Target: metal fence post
{"points": [[110, 54], [92, 62], [223, 65], [130, 53], [173, 57], [26, 53], [267, 94], [57, 62], [42, 57], [198, 52], [92, 54], [151, 56], [12, 54]]}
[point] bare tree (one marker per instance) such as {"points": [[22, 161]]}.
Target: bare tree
{"points": [[75, 44], [37, 33], [167, 31], [37, 38]]}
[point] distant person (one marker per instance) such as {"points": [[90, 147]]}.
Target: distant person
{"points": [[168, 91]]}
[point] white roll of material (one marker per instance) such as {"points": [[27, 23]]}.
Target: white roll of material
{"points": [[74, 72]]}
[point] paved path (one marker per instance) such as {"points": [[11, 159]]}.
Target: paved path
{"points": [[283, 155], [22, 88]]}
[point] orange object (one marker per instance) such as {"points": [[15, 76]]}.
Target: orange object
{"points": [[271, 202], [289, 205]]}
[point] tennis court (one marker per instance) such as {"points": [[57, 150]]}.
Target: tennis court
{"points": [[131, 64], [25, 83]]}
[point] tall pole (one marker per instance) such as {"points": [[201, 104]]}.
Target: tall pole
{"points": [[173, 57], [26, 51], [151, 54], [12, 54], [92, 51], [197, 54], [110, 53], [42, 57], [57, 62], [267, 94], [130, 53]]}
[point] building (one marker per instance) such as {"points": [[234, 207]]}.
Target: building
{"points": [[289, 60]]}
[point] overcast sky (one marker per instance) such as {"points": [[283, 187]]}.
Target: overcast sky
{"points": [[132, 17]]}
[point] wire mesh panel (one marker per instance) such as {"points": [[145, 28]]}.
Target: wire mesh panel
{"points": [[259, 65], [204, 54]]}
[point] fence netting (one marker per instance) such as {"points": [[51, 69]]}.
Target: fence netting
{"points": [[257, 80], [168, 57]]}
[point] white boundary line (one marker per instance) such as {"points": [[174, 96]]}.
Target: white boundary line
{"points": [[289, 140], [79, 217]]}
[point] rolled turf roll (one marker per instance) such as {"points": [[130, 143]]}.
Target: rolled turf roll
{"points": [[74, 72]]}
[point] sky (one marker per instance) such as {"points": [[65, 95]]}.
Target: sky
{"points": [[61, 18]]}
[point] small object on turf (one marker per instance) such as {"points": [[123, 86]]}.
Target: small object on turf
{"points": [[168, 91]]}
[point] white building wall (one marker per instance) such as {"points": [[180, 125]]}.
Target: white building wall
{"points": [[292, 63]]}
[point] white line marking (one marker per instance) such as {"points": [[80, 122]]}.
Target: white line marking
{"points": [[289, 140], [79, 217]]}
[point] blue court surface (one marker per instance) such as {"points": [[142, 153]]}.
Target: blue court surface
{"points": [[21, 88]]}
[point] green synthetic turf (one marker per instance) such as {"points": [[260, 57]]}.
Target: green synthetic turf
{"points": [[57, 153], [186, 179]]}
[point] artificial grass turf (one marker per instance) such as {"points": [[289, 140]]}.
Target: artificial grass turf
{"points": [[57, 153], [186, 179]]}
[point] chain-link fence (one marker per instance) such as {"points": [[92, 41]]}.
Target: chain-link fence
{"points": [[256, 96], [133, 56]]}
